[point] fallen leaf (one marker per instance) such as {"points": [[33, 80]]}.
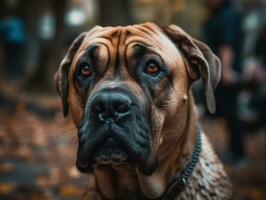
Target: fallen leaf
{"points": [[6, 188], [256, 194], [70, 190], [6, 168]]}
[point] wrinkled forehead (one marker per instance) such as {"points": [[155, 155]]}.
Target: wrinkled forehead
{"points": [[125, 37]]}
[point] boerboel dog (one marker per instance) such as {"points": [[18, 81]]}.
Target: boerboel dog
{"points": [[129, 93]]}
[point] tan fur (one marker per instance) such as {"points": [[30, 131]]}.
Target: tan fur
{"points": [[176, 124]]}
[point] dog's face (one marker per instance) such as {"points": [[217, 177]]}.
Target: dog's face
{"points": [[126, 86]]}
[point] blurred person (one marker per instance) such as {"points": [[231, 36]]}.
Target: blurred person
{"points": [[253, 20], [222, 33], [255, 75], [12, 38]]}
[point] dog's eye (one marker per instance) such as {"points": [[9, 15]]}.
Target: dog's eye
{"points": [[85, 71], [152, 69]]}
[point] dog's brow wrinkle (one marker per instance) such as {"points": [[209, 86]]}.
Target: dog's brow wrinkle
{"points": [[108, 38], [146, 31]]}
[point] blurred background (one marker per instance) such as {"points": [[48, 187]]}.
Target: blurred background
{"points": [[38, 145]]}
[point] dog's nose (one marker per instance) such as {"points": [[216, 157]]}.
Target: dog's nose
{"points": [[111, 105]]}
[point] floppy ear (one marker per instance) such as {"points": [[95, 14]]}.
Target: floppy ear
{"points": [[61, 76], [202, 61]]}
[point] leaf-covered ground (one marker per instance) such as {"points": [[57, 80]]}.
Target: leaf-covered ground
{"points": [[37, 158], [38, 151]]}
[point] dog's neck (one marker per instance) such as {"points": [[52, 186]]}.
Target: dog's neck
{"points": [[115, 183]]}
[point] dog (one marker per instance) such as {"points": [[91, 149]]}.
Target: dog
{"points": [[128, 89]]}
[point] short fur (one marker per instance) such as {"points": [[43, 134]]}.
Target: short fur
{"points": [[172, 113]]}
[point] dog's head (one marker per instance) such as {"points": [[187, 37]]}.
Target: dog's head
{"points": [[126, 86]]}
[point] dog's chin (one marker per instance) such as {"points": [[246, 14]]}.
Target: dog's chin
{"points": [[110, 153]]}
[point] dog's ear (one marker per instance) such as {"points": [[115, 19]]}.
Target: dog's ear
{"points": [[202, 61], [61, 76]]}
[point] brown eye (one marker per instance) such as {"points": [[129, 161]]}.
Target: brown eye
{"points": [[86, 71], [152, 69]]}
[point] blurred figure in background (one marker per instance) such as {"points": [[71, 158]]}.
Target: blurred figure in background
{"points": [[260, 77], [255, 77], [12, 38], [254, 73], [222, 33]]}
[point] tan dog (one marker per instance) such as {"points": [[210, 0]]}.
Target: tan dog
{"points": [[128, 90]]}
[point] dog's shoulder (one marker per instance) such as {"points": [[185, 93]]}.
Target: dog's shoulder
{"points": [[209, 179]]}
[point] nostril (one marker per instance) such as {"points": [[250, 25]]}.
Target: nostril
{"points": [[108, 106], [124, 108], [104, 115]]}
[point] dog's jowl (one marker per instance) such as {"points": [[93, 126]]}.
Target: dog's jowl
{"points": [[128, 92]]}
